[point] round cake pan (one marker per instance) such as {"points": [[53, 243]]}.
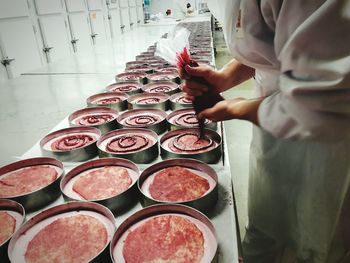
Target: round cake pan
{"points": [[205, 203], [109, 125], [155, 101], [75, 155], [131, 77], [114, 100], [42, 196], [146, 155], [148, 53], [146, 70], [189, 112], [28, 230], [167, 69], [165, 87], [199, 219], [211, 156], [131, 64], [178, 101], [144, 57], [115, 203], [163, 77], [129, 87], [15, 210], [158, 127]]}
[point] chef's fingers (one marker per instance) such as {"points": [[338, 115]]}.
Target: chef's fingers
{"points": [[189, 97], [216, 113], [201, 71], [193, 84]]}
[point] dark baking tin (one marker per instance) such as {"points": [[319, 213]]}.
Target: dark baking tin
{"points": [[103, 256], [144, 156], [175, 105], [115, 203], [176, 78], [118, 106], [158, 128], [75, 155], [164, 105], [212, 156], [173, 126], [204, 203], [175, 87], [155, 210], [142, 80], [41, 197], [10, 205], [104, 127]]}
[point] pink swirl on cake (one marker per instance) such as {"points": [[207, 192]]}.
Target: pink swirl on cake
{"points": [[128, 143], [190, 142], [142, 120], [182, 100], [71, 142], [161, 88], [187, 119], [108, 100], [152, 100], [94, 119], [124, 88], [131, 76]]}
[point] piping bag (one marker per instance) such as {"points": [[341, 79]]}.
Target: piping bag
{"points": [[174, 49]]}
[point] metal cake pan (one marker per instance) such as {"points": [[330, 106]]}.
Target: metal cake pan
{"points": [[61, 210], [131, 77], [211, 247], [158, 127], [103, 127], [178, 101], [189, 112], [163, 77], [135, 63], [166, 87], [146, 155], [205, 203], [75, 155], [212, 156], [115, 203], [128, 87], [121, 105], [16, 210], [42, 196], [161, 101]]}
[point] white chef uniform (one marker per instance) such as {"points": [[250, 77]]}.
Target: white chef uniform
{"points": [[300, 157]]}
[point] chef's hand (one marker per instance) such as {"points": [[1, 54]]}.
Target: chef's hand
{"points": [[238, 108], [213, 78]]}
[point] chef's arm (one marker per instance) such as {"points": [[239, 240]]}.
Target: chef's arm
{"points": [[236, 73]]}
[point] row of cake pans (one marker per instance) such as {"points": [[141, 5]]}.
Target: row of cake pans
{"points": [[122, 101], [107, 119], [115, 203], [45, 195], [13, 248], [146, 154]]}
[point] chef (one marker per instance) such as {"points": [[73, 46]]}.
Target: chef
{"points": [[299, 53]]}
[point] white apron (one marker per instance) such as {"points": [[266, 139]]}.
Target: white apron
{"points": [[296, 188]]}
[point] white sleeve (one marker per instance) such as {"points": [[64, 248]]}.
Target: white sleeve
{"points": [[312, 43]]}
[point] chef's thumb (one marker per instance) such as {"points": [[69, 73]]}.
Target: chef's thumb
{"points": [[196, 71]]}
